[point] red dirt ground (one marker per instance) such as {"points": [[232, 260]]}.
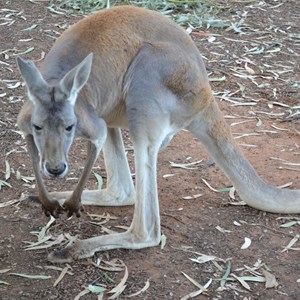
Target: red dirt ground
{"points": [[189, 225]]}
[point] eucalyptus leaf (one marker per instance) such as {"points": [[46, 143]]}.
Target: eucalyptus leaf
{"points": [[289, 224], [4, 183], [42, 277], [96, 289], [163, 241], [28, 50], [7, 170], [30, 28], [99, 180], [226, 274]]}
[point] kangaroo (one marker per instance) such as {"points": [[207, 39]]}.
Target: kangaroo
{"points": [[127, 67]]}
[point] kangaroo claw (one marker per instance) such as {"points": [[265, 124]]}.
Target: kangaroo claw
{"points": [[73, 208], [53, 208]]}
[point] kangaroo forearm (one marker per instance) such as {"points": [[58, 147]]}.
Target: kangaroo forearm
{"points": [[92, 157]]}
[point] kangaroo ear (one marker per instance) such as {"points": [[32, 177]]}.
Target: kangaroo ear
{"points": [[33, 78], [76, 78]]}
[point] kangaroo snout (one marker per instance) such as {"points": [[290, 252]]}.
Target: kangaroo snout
{"points": [[57, 170]]}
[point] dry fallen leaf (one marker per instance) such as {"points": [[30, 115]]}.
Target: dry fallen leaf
{"points": [[187, 166], [241, 281], [147, 284], [82, 293], [291, 243], [96, 289], [289, 224], [246, 244], [42, 277], [270, 279], [249, 70], [222, 229], [236, 223], [231, 193], [61, 276], [9, 202], [202, 289], [209, 186], [46, 243], [192, 197], [105, 216], [163, 241], [204, 258], [55, 268], [168, 175], [226, 274], [211, 39], [118, 290]]}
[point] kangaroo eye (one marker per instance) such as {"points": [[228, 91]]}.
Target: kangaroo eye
{"points": [[37, 128], [69, 128]]}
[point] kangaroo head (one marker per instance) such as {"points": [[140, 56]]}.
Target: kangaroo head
{"points": [[53, 117]]}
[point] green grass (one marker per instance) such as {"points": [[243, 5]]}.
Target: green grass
{"points": [[188, 13]]}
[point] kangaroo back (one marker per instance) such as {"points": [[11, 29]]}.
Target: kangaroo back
{"points": [[115, 37]]}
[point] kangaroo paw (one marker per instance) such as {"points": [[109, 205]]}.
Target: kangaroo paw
{"points": [[70, 253], [73, 207]]}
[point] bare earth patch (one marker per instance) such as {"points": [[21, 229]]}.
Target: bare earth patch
{"points": [[210, 240]]}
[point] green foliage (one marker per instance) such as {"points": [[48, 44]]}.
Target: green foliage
{"points": [[184, 12], [81, 6]]}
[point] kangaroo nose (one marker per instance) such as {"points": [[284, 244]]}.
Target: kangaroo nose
{"points": [[56, 170]]}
